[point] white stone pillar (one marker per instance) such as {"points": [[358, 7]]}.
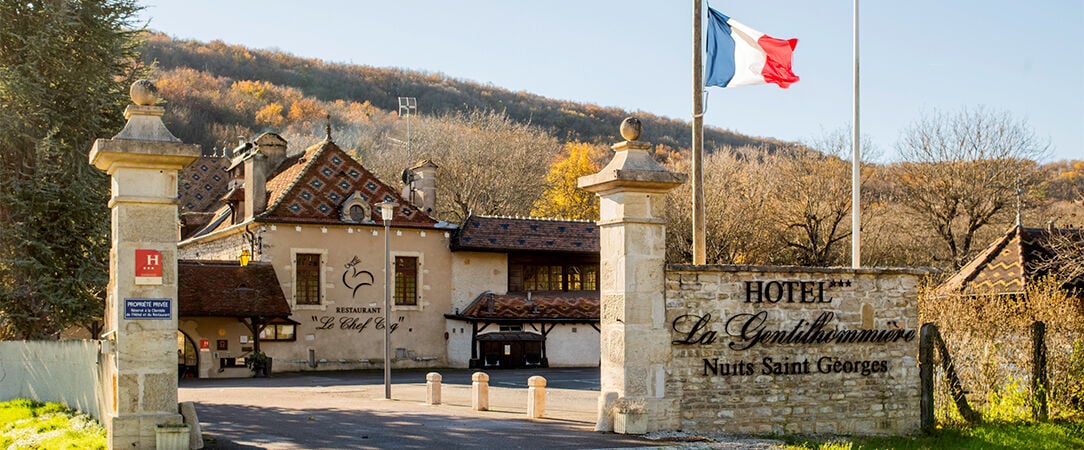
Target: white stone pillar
{"points": [[479, 391], [432, 388], [139, 363], [536, 397], [635, 340]]}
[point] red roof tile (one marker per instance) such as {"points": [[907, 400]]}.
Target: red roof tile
{"points": [[312, 186], [544, 306], [1007, 265], [225, 289], [482, 233]]}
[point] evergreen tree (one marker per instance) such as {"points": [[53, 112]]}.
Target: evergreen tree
{"points": [[65, 66]]}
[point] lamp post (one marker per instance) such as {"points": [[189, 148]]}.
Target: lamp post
{"points": [[387, 211]]}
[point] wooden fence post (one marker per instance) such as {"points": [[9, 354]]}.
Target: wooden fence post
{"points": [[925, 374], [1038, 371]]}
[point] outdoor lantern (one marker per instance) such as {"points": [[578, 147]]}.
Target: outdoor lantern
{"points": [[245, 257], [387, 210]]}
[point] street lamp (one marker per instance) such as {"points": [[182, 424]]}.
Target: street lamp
{"points": [[387, 211]]}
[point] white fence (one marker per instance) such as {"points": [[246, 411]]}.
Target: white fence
{"points": [[52, 371]]}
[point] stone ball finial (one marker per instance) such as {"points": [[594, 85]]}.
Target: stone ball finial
{"points": [[631, 128], [144, 93]]}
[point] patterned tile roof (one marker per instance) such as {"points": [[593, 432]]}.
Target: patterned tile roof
{"points": [[312, 187], [502, 234], [202, 183], [225, 289], [1007, 265], [578, 306]]}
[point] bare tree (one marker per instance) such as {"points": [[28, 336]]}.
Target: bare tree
{"points": [[1066, 260], [489, 164], [737, 231], [961, 173], [810, 206]]}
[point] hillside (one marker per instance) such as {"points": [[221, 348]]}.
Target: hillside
{"points": [[380, 87]]}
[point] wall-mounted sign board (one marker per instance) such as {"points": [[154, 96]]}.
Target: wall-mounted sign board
{"points": [[148, 309], [148, 267]]}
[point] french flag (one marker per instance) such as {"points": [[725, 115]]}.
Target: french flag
{"points": [[741, 56]]}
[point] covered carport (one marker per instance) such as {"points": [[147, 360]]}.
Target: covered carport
{"points": [[224, 308]]}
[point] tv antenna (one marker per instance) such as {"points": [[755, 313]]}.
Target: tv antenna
{"points": [[408, 106]]}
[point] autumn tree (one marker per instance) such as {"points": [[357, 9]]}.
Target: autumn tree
{"points": [[562, 198], [961, 173], [1065, 181], [65, 67]]}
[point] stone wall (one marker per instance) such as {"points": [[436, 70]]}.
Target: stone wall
{"points": [[225, 245], [52, 371], [793, 350]]}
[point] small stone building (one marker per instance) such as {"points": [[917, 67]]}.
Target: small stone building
{"points": [[526, 293], [234, 301], [1014, 261]]}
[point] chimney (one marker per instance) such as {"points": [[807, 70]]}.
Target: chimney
{"points": [[274, 147], [425, 186], [260, 163]]}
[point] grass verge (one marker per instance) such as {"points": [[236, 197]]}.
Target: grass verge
{"points": [[993, 435], [28, 424]]}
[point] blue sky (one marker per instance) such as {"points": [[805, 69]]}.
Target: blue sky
{"points": [[1021, 57]]}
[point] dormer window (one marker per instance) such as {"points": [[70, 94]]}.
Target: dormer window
{"points": [[355, 209], [357, 213]]}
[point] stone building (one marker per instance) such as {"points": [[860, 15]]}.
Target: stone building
{"points": [[312, 293], [527, 291], [311, 217]]}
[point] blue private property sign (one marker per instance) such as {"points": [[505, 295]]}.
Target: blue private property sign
{"points": [[148, 309]]}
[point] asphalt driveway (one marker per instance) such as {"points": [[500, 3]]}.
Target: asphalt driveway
{"points": [[347, 410]]}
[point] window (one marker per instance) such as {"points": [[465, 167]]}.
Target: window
{"points": [[406, 280], [590, 277], [357, 213], [543, 278], [355, 209], [278, 332], [307, 291], [573, 277]]}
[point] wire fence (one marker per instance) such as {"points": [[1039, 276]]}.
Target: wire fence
{"points": [[1006, 358]]}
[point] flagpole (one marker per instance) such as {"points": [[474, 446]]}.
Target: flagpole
{"points": [[856, 170], [699, 226]]}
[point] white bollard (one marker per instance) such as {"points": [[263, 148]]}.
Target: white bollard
{"points": [[536, 397], [479, 391], [195, 433], [605, 415], [432, 388]]}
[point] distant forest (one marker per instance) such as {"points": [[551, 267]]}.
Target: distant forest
{"points": [[965, 176], [380, 88]]}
